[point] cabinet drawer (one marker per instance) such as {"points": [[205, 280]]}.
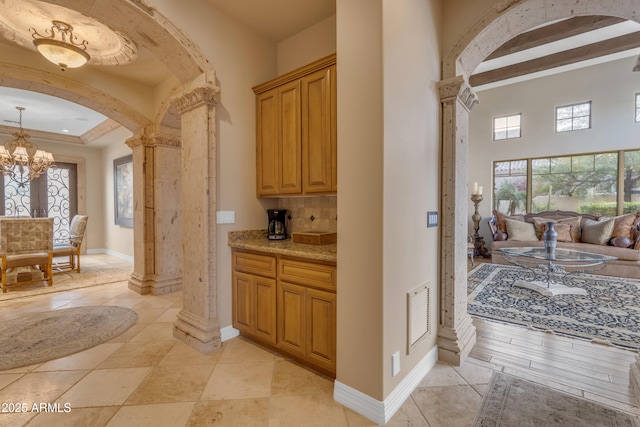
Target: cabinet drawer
{"points": [[247, 262], [307, 273]]}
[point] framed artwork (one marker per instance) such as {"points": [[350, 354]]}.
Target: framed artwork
{"points": [[123, 191]]}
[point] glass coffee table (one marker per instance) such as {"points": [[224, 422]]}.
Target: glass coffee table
{"points": [[552, 276]]}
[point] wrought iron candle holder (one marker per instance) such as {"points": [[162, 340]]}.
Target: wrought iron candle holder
{"points": [[478, 240]]}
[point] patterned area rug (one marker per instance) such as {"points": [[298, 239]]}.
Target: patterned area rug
{"points": [[45, 336], [97, 269], [609, 313], [511, 401]]}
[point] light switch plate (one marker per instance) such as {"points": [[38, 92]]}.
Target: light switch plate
{"points": [[395, 364], [432, 219], [225, 217]]}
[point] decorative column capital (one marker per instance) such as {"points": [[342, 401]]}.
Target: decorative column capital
{"points": [[204, 95], [146, 139], [457, 87]]}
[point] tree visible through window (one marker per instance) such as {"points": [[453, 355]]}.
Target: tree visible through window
{"points": [[506, 127], [573, 117]]}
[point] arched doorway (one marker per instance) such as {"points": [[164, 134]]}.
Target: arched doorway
{"points": [[194, 98], [500, 23]]}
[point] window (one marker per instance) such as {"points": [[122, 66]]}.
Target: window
{"points": [[584, 183], [506, 127], [573, 117], [637, 107]]}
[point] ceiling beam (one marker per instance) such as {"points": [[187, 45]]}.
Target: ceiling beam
{"points": [[554, 32], [42, 135], [583, 53]]}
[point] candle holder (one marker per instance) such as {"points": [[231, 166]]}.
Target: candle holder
{"points": [[479, 248]]}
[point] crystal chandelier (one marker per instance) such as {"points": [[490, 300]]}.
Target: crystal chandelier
{"points": [[68, 52], [21, 159]]}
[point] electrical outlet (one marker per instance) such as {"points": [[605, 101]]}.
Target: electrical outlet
{"points": [[395, 364]]}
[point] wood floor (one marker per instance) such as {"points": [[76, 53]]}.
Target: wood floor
{"points": [[593, 371]]}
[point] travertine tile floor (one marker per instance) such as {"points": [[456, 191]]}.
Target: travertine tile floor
{"points": [[145, 377]]}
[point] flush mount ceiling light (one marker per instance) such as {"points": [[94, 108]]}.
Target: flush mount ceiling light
{"points": [[67, 51]]}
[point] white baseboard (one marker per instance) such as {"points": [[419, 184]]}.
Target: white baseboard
{"points": [[110, 252], [228, 332], [381, 412]]}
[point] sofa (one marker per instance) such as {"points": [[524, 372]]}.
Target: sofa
{"points": [[614, 236]]}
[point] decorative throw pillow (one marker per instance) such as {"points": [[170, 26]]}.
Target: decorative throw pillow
{"points": [[520, 230], [574, 222], [500, 217], [622, 225], [563, 230], [597, 232], [621, 242]]}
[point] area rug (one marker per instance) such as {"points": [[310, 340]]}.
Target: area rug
{"points": [[45, 336], [608, 314], [97, 269], [510, 401]]}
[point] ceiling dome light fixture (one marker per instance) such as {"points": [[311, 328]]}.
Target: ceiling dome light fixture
{"points": [[21, 159], [67, 52]]}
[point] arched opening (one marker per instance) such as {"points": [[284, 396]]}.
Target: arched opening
{"points": [[499, 25]]}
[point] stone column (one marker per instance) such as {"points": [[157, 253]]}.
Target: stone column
{"points": [[456, 332], [157, 227], [197, 323]]}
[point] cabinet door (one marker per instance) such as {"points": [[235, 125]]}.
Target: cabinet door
{"points": [[265, 309], [267, 143], [289, 149], [243, 304], [321, 328], [317, 132], [291, 318]]}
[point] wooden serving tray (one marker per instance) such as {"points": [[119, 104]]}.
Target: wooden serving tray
{"points": [[314, 237]]}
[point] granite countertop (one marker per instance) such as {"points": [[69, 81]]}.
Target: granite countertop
{"points": [[256, 240]]}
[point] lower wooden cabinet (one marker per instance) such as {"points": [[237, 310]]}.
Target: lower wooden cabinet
{"points": [[293, 311]]}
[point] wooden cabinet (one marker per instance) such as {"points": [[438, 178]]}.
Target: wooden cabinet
{"points": [[254, 295], [293, 310], [296, 132]]}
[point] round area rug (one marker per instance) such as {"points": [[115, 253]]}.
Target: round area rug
{"points": [[45, 336]]}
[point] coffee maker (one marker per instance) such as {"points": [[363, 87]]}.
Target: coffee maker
{"points": [[277, 229]]}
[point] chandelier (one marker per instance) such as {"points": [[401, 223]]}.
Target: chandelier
{"points": [[68, 52], [21, 159]]}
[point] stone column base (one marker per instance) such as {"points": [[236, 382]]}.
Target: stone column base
{"points": [[454, 345], [634, 379], [201, 334], [153, 285]]}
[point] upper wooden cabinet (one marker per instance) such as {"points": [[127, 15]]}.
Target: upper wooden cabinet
{"points": [[296, 132]]}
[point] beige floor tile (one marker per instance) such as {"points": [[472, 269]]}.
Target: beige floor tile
{"points": [[231, 413], [6, 379], [159, 415], [40, 387], [149, 315], [292, 379], [239, 350], [85, 417], [172, 384], [308, 411], [408, 415], [474, 374], [138, 354], [87, 359], [156, 332], [129, 333], [16, 420], [182, 354], [442, 374], [239, 381], [169, 316], [105, 387], [447, 406]]}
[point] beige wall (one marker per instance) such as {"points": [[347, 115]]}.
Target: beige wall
{"points": [[307, 46], [411, 173]]}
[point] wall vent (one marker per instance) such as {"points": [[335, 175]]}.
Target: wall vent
{"points": [[418, 324]]}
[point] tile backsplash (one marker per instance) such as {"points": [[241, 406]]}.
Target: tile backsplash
{"points": [[311, 213]]}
